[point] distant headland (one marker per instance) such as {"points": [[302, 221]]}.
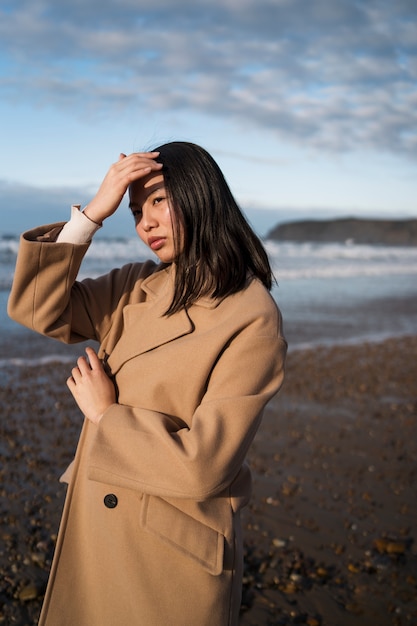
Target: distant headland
{"points": [[355, 230]]}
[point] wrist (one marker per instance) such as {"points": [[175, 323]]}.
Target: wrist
{"points": [[92, 215], [79, 229]]}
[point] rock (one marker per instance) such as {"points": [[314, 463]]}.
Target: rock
{"points": [[388, 546], [30, 592], [289, 588], [360, 231], [355, 609]]}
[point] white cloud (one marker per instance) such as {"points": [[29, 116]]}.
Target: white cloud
{"points": [[335, 76]]}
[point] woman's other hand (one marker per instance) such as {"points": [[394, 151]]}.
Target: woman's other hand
{"points": [[92, 389], [116, 182]]}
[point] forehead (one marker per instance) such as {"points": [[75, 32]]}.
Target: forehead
{"points": [[139, 190]]}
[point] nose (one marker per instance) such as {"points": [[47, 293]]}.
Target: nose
{"points": [[148, 220]]}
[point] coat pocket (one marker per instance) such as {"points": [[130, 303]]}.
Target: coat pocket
{"points": [[192, 538]]}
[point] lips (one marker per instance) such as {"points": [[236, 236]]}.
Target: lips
{"points": [[155, 243]]}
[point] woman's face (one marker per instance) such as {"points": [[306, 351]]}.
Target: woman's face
{"points": [[152, 214]]}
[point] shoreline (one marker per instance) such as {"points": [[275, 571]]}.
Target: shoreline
{"points": [[318, 321], [30, 349], [331, 530]]}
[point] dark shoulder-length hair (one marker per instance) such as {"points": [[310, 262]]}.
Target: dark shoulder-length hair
{"points": [[219, 250]]}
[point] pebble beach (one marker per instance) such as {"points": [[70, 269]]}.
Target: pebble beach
{"points": [[331, 530]]}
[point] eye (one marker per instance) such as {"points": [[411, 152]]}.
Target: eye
{"points": [[137, 214], [157, 200]]}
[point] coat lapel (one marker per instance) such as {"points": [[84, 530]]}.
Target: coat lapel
{"points": [[145, 326]]}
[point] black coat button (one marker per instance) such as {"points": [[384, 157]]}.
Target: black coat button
{"points": [[110, 500]]}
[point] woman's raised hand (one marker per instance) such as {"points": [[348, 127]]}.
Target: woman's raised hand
{"points": [[116, 182]]}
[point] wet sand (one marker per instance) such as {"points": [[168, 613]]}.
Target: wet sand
{"points": [[331, 531]]}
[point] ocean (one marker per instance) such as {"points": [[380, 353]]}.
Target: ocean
{"points": [[329, 294]]}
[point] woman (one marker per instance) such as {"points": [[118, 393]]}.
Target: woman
{"points": [[190, 351]]}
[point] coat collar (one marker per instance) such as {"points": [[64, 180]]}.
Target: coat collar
{"points": [[145, 327], [162, 282]]}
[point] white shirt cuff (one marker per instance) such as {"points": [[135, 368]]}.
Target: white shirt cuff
{"points": [[80, 229]]}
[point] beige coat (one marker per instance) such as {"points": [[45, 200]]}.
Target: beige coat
{"points": [[150, 532]]}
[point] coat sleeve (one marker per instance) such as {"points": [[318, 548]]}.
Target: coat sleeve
{"points": [[41, 290], [47, 298], [148, 451]]}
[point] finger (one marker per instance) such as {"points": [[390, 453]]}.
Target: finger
{"points": [[142, 167], [149, 155], [137, 166], [145, 159], [83, 365], [95, 362], [70, 383], [75, 375], [140, 170]]}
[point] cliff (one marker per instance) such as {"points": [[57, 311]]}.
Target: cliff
{"points": [[361, 231]]}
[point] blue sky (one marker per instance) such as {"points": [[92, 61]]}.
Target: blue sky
{"points": [[309, 106]]}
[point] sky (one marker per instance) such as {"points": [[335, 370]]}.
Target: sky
{"points": [[308, 106]]}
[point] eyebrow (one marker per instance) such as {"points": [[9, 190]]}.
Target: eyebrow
{"points": [[155, 190]]}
